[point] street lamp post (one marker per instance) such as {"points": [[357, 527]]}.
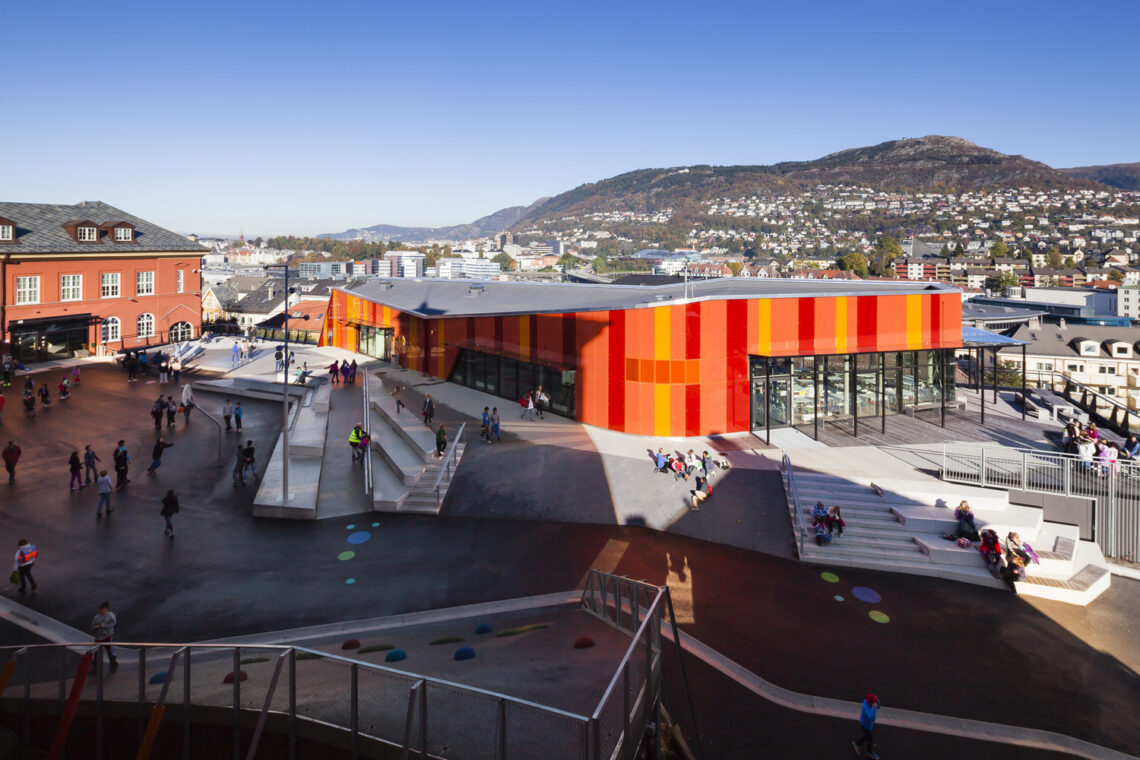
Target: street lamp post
{"points": [[285, 394]]}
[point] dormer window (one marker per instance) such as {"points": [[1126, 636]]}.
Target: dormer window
{"points": [[7, 230], [124, 234], [1121, 349], [1090, 348], [87, 234]]}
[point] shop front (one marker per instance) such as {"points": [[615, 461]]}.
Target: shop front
{"points": [[37, 340]]}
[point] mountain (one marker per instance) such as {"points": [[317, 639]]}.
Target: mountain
{"points": [[1122, 176], [932, 163], [491, 224]]}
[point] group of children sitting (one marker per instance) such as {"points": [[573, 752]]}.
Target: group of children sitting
{"points": [[1097, 454], [688, 466], [1008, 562], [826, 521]]}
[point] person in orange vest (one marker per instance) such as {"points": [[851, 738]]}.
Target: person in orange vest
{"points": [[22, 563]]}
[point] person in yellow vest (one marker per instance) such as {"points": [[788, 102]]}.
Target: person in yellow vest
{"points": [[22, 563], [354, 438]]}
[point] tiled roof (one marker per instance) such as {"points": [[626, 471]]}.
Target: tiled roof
{"points": [[40, 229]]}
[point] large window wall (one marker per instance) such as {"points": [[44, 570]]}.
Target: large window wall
{"points": [[511, 378], [797, 390]]}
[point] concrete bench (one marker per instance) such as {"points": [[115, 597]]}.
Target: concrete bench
{"points": [[304, 477], [321, 398], [307, 438], [1026, 521], [943, 552]]}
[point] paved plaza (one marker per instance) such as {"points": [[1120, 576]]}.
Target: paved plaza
{"points": [[531, 516]]}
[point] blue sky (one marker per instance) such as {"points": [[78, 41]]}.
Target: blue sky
{"points": [[279, 117]]}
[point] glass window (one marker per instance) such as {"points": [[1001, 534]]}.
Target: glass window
{"points": [[146, 325], [110, 329], [109, 285], [181, 280], [508, 378], [6, 232], [87, 234], [124, 234], [182, 331], [28, 289], [71, 287], [144, 284]]}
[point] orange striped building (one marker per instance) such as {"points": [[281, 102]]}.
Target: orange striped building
{"points": [[675, 360]]}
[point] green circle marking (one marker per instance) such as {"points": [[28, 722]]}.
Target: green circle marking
{"points": [[344, 556], [879, 617], [830, 577], [837, 598]]}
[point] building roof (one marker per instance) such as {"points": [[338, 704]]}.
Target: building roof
{"points": [[314, 310], [972, 312], [463, 298], [40, 229], [1052, 340]]}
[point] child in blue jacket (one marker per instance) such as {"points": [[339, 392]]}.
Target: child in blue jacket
{"points": [[867, 723]]}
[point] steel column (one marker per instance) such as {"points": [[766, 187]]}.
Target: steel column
{"points": [[767, 401], [1023, 370], [815, 396], [883, 392]]}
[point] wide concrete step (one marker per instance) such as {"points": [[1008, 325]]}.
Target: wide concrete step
{"points": [[388, 490], [395, 452], [304, 476], [1026, 521], [407, 423], [899, 491], [920, 565], [844, 548], [1081, 587]]}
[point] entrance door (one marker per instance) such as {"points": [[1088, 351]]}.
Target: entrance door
{"points": [[779, 403]]}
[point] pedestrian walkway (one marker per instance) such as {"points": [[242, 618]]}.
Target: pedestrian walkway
{"points": [[341, 490]]}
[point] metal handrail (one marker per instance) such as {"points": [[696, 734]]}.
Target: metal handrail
{"points": [[445, 465], [793, 492]]}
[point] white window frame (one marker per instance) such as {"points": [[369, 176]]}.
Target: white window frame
{"points": [[76, 287], [181, 280], [1090, 348], [124, 234], [148, 332], [87, 234], [7, 232], [1121, 350], [180, 327], [109, 280], [27, 289], [106, 333], [144, 283]]}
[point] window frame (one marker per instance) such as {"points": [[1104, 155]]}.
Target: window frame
{"points": [[22, 298], [103, 284], [181, 281], [63, 288], [128, 237], [11, 228], [139, 326], [139, 282], [87, 234], [104, 337]]}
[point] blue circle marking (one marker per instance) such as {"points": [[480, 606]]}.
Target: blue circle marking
{"points": [[864, 594], [349, 581], [359, 537]]}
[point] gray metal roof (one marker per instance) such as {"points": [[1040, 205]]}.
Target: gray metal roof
{"points": [[39, 229], [1052, 340], [465, 298]]}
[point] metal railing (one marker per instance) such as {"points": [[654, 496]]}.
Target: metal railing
{"points": [[367, 418], [293, 692], [789, 475], [450, 460], [1113, 488]]}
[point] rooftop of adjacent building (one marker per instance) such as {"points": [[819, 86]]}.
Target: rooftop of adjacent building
{"points": [[442, 298], [40, 229]]}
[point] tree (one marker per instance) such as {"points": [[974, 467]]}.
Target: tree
{"points": [[854, 262], [599, 264], [1006, 280], [506, 262], [999, 250], [1116, 276], [735, 267], [1069, 262], [888, 248], [958, 249], [568, 261], [1053, 258], [946, 252]]}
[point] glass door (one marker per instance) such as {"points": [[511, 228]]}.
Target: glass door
{"points": [[778, 404]]}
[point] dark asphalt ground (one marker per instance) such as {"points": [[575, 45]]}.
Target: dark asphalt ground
{"points": [[949, 648]]}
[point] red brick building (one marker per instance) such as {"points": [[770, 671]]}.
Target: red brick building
{"points": [[89, 278]]}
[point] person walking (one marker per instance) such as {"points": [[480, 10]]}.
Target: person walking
{"points": [[334, 372], [163, 369], [239, 465], [45, 395], [540, 401], [156, 455], [485, 425], [11, 456], [355, 436], [122, 459], [352, 372], [495, 425], [238, 412], [228, 413], [528, 406], [867, 723], [169, 509], [440, 440], [157, 411], [187, 402], [103, 629], [428, 410], [235, 354], [91, 472], [278, 360], [171, 411], [103, 486], [250, 460], [75, 466], [29, 404], [176, 368], [26, 554]]}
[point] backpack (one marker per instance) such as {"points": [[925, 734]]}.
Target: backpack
{"points": [[522, 402]]}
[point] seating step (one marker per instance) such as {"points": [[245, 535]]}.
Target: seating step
{"points": [[394, 450], [1024, 520], [388, 490], [406, 423]]}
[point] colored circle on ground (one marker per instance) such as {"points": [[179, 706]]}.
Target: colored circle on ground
{"points": [[349, 581], [359, 537], [345, 556], [830, 577], [837, 598], [349, 527], [879, 617], [864, 594], [376, 525]]}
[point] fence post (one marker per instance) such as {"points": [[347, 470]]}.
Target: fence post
{"points": [[982, 476], [1109, 546], [423, 721], [354, 709], [186, 706], [1024, 471], [142, 695], [237, 703], [502, 755], [292, 704], [1067, 475], [627, 742]]}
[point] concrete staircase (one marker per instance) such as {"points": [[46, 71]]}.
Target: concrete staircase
{"points": [[308, 430], [897, 525], [403, 457]]}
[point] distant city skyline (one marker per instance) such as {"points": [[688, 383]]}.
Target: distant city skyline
{"points": [[288, 118]]}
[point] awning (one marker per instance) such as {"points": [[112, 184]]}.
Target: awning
{"points": [[37, 323]]}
